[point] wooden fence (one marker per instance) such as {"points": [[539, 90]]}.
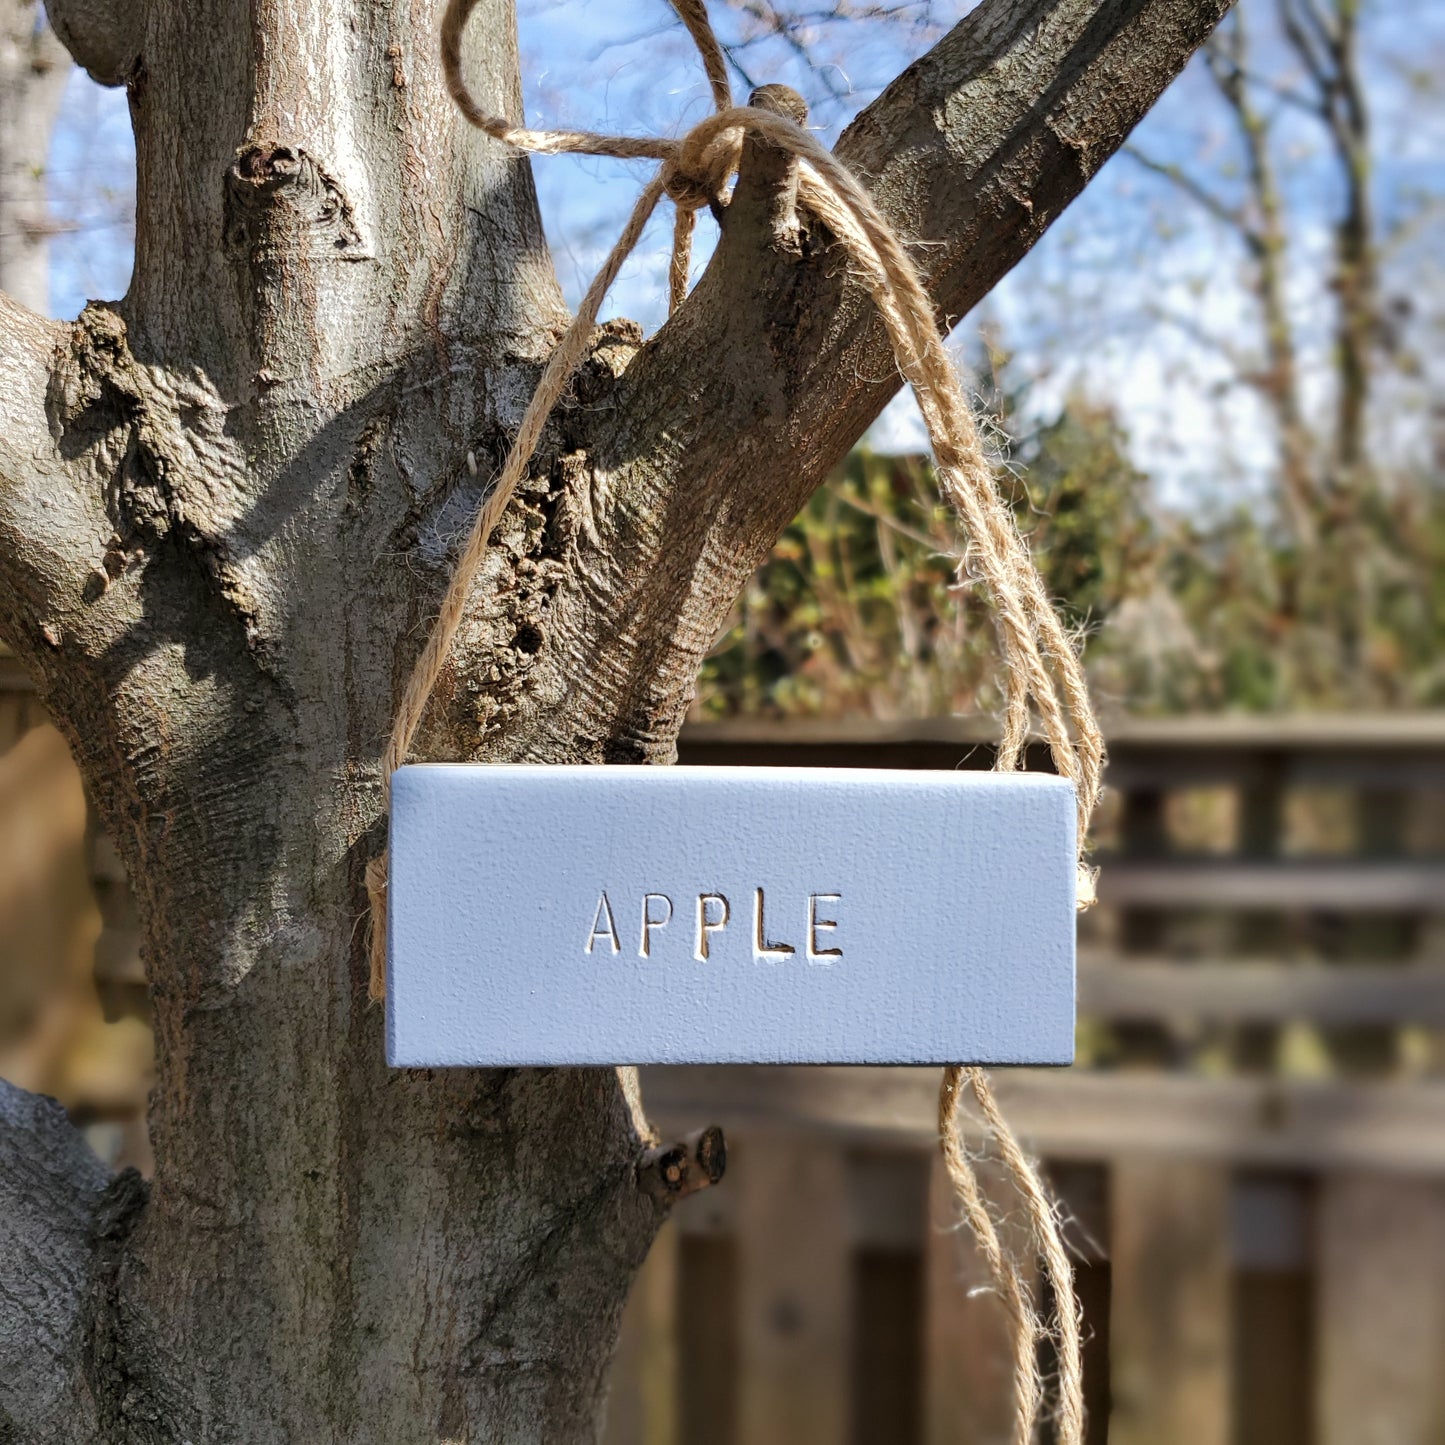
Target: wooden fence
{"points": [[73, 1015], [1251, 1152], [1251, 1157]]}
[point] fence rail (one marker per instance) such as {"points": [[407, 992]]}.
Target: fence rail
{"points": [[1252, 991], [1251, 1157], [1395, 1127]]}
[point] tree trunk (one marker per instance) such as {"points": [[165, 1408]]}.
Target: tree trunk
{"points": [[228, 507]]}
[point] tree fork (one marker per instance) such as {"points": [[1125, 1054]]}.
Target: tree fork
{"points": [[227, 509]]}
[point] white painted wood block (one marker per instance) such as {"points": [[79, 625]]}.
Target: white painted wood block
{"points": [[629, 915]]}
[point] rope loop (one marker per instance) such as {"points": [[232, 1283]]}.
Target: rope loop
{"points": [[698, 172], [689, 191]]}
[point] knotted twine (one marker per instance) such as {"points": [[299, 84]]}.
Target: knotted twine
{"points": [[1040, 664]]}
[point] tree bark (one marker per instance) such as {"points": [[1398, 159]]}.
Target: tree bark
{"points": [[228, 506], [51, 1190]]}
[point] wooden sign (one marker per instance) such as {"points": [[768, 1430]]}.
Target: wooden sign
{"points": [[630, 915]]}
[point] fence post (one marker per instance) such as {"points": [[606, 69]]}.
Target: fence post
{"points": [[1169, 1339], [1380, 1328], [794, 1289]]}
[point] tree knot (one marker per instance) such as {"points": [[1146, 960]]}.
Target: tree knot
{"points": [[160, 446], [673, 1171], [279, 198]]}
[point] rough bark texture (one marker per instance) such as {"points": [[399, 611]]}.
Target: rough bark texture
{"points": [[51, 1189], [227, 509]]}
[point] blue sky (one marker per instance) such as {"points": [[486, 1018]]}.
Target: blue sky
{"points": [[1113, 301]]}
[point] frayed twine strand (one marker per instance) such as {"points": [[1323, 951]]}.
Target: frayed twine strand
{"points": [[1041, 666]]}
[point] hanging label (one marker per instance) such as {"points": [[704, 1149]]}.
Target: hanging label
{"points": [[631, 915]]}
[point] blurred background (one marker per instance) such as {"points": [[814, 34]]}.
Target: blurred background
{"points": [[1216, 400]]}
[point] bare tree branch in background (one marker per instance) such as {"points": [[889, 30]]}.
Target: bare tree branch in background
{"points": [[34, 68], [1326, 42], [1329, 47], [1227, 58], [1319, 476], [798, 26], [1330, 483]]}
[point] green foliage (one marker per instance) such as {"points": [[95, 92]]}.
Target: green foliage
{"points": [[856, 609], [1355, 619], [864, 606], [1082, 505]]}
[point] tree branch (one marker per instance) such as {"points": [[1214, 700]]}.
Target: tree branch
{"points": [[104, 36], [670, 1172], [1307, 44], [1269, 86], [1192, 187], [50, 1188], [52, 535], [723, 425]]}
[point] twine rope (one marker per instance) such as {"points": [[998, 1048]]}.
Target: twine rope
{"points": [[1040, 662]]}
